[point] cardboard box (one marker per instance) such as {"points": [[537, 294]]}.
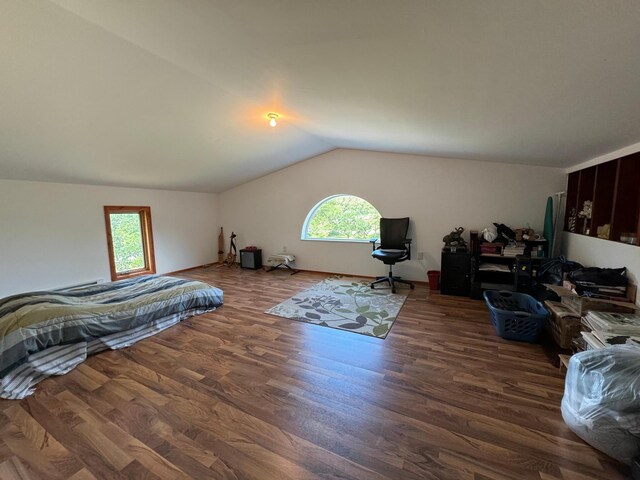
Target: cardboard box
{"points": [[582, 305], [632, 289], [564, 324]]}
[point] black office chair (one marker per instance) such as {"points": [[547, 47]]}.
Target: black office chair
{"points": [[394, 247]]}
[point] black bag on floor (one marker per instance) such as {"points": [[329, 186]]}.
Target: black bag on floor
{"points": [[612, 277], [552, 271]]}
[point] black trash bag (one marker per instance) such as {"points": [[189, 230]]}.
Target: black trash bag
{"points": [[611, 277], [505, 234], [552, 271]]}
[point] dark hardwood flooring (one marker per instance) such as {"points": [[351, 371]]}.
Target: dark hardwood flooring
{"points": [[238, 394]]}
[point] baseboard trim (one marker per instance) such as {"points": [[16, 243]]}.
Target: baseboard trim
{"points": [[206, 265], [265, 267], [347, 274]]}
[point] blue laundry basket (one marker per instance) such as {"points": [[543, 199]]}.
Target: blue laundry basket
{"points": [[516, 316]]}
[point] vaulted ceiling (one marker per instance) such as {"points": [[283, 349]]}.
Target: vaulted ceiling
{"points": [[173, 93]]}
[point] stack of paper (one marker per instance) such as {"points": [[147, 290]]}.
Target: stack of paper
{"points": [[620, 323], [513, 249], [611, 329], [494, 267]]}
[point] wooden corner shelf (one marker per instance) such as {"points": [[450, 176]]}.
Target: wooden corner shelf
{"points": [[612, 187]]}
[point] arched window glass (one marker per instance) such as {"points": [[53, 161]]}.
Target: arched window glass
{"points": [[342, 217]]}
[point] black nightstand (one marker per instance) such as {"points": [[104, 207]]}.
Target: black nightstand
{"points": [[251, 259], [456, 274]]}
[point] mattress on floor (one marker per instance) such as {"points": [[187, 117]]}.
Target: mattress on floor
{"points": [[50, 332]]}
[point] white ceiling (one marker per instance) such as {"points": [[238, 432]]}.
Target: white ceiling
{"points": [[173, 93]]}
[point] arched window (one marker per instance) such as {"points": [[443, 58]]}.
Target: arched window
{"points": [[342, 217]]}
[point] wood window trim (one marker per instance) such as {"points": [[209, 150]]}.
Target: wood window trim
{"points": [[147, 241]]}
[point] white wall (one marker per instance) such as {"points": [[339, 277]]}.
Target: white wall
{"points": [[53, 235], [437, 193], [595, 252]]}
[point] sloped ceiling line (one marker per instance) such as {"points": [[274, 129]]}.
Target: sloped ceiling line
{"points": [[173, 94]]}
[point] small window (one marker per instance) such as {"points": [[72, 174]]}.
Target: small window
{"points": [[130, 241], [342, 217]]}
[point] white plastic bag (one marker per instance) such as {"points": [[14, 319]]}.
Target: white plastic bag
{"points": [[490, 233], [601, 402]]}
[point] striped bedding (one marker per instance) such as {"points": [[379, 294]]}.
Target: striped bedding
{"points": [[51, 332]]}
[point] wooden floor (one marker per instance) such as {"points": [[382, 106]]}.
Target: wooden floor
{"points": [[240, 394]]}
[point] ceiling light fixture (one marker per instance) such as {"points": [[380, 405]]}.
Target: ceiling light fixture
{"points": [[273, 117]]}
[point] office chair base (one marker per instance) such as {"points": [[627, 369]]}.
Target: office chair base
{"points": [[392, 281]]}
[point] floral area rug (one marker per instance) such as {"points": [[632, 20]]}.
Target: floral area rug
{"points": [[344, 303]]}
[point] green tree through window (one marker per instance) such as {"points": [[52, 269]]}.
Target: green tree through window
{"points": [[130, 241], [128, 250], [342, 217]]}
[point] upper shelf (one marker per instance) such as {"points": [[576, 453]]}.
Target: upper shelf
{"points": [[612, 189]]}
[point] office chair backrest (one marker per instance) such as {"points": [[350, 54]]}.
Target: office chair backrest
{"points": [[393, 232]]}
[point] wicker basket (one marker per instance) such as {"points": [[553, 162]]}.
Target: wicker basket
{"points": [[564, 324]]}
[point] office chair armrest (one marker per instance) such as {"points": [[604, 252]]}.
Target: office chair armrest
{"points": [[373, 242], [407, 242]]}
